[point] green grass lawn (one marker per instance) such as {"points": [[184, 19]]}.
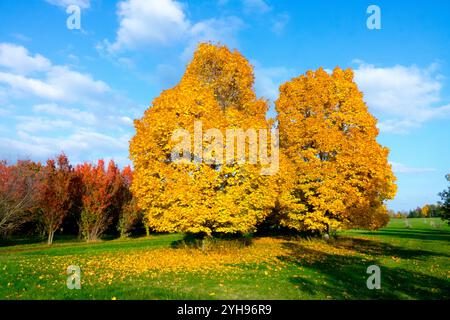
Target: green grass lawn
{"points": [[414, 264]]}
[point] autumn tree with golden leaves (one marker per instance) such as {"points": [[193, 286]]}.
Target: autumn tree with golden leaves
{"points": [[340, 174], [203, 195]]}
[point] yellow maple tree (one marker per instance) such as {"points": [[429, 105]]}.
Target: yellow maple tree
{"points": [[339, 175], [202, 197], [426, 211]]}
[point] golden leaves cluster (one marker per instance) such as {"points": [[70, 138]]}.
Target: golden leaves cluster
{"points": [[339, 173], [194, 197], [332, 173]]}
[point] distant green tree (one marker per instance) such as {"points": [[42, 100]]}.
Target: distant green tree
{"points": [[445, 205], [435, 210], [415, 213]]}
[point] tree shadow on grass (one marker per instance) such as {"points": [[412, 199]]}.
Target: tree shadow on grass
{"points": [[415, 234], [29, 240], [217, 242], [345, 276], [20, 241], [379, 249]]}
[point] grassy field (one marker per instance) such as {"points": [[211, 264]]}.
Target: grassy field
{"points": [[414, 264]]}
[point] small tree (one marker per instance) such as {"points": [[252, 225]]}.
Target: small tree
{"points": [[435, 210], [445, 205], [415, 213], [100, 188], [55, 192], [426, 211], [17, 196]]}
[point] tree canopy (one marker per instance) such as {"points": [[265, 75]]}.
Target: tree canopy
{"points": [[331, 173]]}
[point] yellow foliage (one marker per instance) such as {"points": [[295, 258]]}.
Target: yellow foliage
{"points": [[332, 173], [339, 173], [194, 197]]}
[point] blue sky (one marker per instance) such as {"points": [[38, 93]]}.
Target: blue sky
{"points": [[79, 90]]}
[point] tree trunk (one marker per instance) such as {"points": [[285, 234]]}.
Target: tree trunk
{"points": [[92, 235], [4, 234], [50, 237]]}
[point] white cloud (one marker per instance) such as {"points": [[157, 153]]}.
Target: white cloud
{"points": [[50, 82], [259, 8], [402, 168], [82, 145], [76, 86], [256, 6], [216, 29], [37, 124], [126, 120], [221, 31], [20, 85], [59, 84], [147, 22], [17, 59], [74, 114], [403, 97], [83, 4], [269, 79], [144, 23]]}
